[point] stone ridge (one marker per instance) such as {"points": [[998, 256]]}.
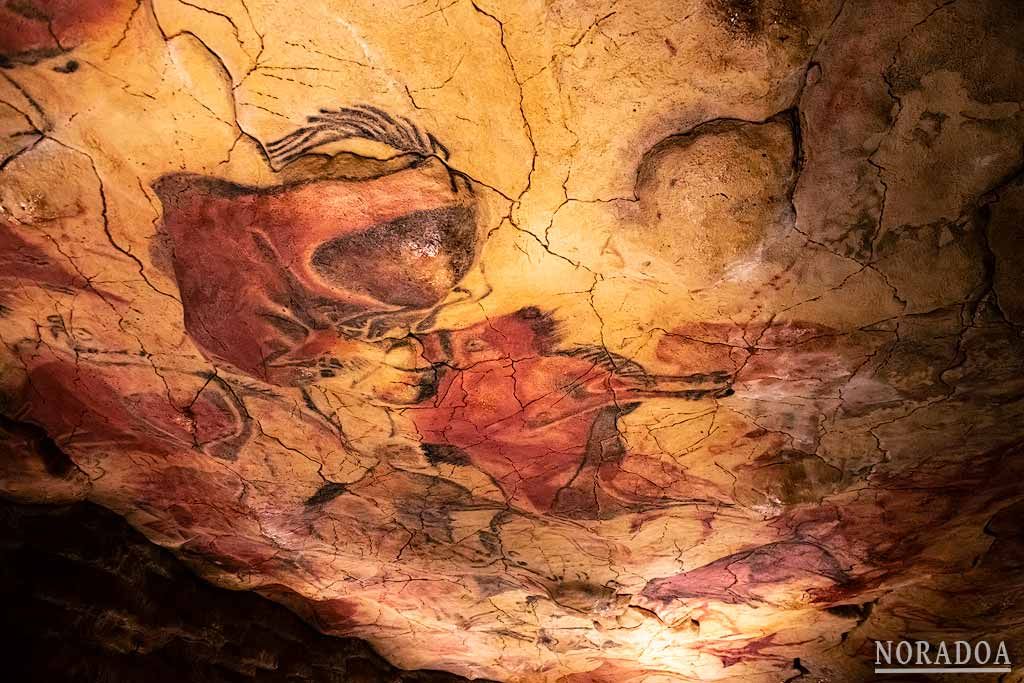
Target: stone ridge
{"points": [[88, 598]]}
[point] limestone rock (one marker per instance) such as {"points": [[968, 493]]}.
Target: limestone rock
{"points": [[552, 341]]}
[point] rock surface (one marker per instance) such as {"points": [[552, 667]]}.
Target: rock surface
{"points": [[88, 598], [533, 341]]}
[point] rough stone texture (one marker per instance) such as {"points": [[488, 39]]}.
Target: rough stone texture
{"points": [[88, 598], [534, 341]]}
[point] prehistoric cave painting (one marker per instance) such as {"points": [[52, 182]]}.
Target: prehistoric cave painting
{"points": [[286, 281], [24, 261], [100, 408], [483, 419], [362, 121], [542, 422], [772, 573], [32, 30], [107, 397]]}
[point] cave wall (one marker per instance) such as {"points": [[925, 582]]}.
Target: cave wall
{"points": [[559, 340], [88, 598]]}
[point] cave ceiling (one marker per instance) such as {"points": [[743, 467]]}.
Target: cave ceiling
{"points": [[562, 341]]}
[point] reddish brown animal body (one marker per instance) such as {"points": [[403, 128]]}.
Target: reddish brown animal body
{"points": [[542, 423], [274, 279]]}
